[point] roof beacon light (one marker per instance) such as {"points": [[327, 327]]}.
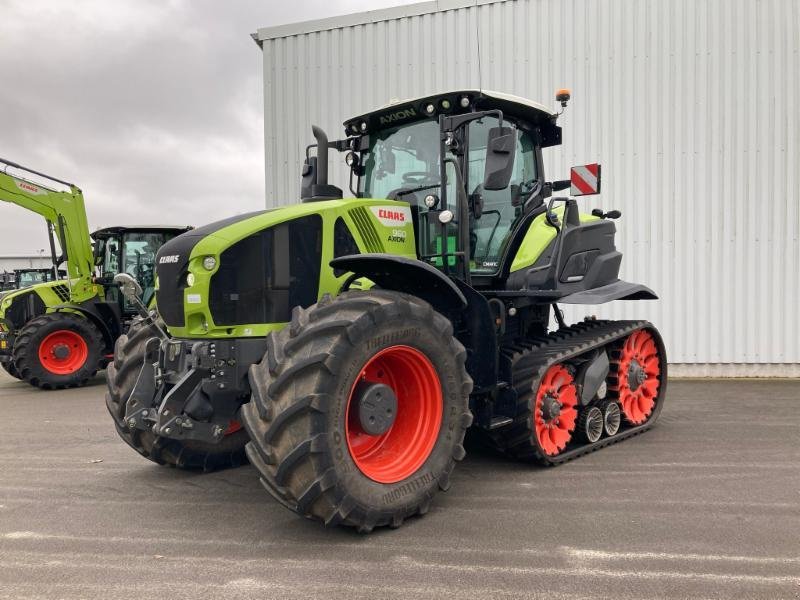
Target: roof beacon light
{"points": [[563, 95]]}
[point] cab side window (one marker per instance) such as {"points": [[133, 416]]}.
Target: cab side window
{"points": [[501, 208]]}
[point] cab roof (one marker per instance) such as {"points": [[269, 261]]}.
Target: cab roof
{"points": [[398, 112], [117, 229]]}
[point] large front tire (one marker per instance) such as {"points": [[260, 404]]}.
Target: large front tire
{"points": [[121, 377], [308, 440], [58, 350]]}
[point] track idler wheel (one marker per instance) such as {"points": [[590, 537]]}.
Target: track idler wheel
{"points": [[591, 424], [611, 417]]}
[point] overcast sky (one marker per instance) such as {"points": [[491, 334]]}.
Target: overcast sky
{"points": [[153, 107]]}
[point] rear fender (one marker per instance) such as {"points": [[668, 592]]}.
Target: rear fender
{"points": [[619, 290]]}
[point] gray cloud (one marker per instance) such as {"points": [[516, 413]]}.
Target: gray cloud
{"points": [[153, 108]]}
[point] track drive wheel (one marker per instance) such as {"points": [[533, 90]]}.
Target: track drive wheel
{"points": [[121, 377], [58, 350], [359, 409], [636, 376]]}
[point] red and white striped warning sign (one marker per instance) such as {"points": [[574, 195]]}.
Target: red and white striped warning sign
{"points": [[585, 180]]}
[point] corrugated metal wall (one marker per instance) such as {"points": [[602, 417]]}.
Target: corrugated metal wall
{"points": [[690, 105]]}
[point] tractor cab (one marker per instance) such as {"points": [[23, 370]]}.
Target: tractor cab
{"points": [[468, 162], [27, 277], [130, 250]]}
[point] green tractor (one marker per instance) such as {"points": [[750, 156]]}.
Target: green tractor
{"points": [[344, 346], [58, 332]]}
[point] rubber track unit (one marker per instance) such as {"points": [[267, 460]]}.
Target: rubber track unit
{"points": [[292, 396], [121, 377], [529, 360]]}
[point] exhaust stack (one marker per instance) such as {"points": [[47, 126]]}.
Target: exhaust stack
{"points": [[314, 185]]}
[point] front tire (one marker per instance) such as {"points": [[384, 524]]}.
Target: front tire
{"points": [[312, 440], [8, 367], [58, 350], [121, 377]]}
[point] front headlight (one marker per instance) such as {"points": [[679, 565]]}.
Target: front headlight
{"points": [[210, 263], [190, 279]]}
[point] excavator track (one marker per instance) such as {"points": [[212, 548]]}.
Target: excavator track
{"points": [[529, 360]]}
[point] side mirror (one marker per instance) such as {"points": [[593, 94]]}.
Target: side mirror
{"points": [[129, 286], [585, 180], [499, 158]]}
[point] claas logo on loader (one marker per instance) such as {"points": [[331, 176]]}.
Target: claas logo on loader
{"points": [[29, 188]]}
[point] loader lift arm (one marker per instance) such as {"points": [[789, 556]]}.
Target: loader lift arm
{"points": [[65, 214]]}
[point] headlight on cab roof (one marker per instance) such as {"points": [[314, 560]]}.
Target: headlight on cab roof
{"points": [[210, 263]]}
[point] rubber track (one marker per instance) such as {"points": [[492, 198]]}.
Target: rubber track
{"points": [[529, 361]]}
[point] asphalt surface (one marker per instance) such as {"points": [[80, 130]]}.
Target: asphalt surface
{"points": [[705, 505]]}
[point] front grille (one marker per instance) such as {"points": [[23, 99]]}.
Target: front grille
{"points": [[23, 308], [62, 292], [366, 230], [262, 277]]}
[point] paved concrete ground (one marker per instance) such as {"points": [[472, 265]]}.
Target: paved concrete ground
{"points": [[706, 505]]}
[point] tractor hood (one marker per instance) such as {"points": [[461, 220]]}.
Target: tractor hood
{"points": [[240, 277]]}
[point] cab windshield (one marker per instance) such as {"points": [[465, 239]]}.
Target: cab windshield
{"points": [[31, 278], [402, 163]]}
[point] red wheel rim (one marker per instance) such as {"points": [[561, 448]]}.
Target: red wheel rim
{"points": [[638, 369], [403, 448], [63, 352], [555, 413]]}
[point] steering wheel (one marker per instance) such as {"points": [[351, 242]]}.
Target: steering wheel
{"points": [[418, 177]]}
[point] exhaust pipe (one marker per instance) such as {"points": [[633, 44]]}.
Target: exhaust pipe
{"points": [[322, 154], [314, 184]]}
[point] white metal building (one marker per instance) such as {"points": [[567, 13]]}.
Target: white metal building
{"points": [[10, 262], [690, 105]]}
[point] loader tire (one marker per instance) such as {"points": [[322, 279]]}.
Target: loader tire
{"points": [[58, 350], [317, 416], [9, 368], [121, 377]]}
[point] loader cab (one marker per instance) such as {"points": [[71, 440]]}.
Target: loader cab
{"points": [[410, 151], [130, 250]]}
